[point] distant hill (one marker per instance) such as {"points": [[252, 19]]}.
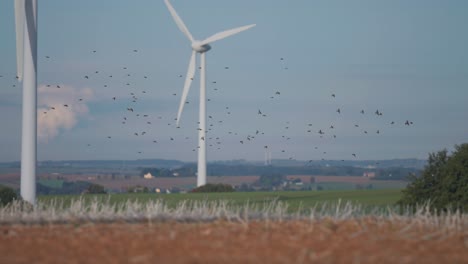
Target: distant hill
{"points": [[393, 163], [229, 167]]}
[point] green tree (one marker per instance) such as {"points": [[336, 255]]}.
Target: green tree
{"points": [[271, 180], [95, 189], [7, 195], [443, 182], [138, 189], [210, 187]]}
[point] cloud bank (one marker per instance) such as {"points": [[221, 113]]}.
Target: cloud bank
{"points": [[59, 109]]}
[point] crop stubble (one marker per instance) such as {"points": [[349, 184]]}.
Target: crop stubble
{"points": [[366, 240]]}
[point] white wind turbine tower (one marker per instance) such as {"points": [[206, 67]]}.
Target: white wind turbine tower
{"points": [[26, 59], [199, 47]]}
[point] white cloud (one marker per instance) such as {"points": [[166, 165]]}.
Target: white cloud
{"points": [[60, 108]]}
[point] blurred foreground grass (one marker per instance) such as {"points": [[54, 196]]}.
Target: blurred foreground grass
{"points": [[294, 200]]}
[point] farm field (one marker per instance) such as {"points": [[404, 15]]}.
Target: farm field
{"points": [[294, 199], [120, 184], [328, 241], [271, 227]]}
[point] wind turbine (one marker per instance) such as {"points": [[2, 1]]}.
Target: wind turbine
{"points": [[26, 60], [199, 46]]}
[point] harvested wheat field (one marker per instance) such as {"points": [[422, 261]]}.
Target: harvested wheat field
{"points": [[366, 240]]}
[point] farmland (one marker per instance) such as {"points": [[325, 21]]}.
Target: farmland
{"points": [[294, 200], [207, 230], [336, 223]]}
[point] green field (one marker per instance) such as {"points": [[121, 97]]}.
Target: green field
{"points": [[51, 183], [303, 199]]}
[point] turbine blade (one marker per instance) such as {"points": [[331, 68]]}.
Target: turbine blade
{"points": [[188, 82], [19, 23], [225, 34], [178, 21]]}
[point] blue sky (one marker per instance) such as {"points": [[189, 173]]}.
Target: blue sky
{"points": [[408, 59]]}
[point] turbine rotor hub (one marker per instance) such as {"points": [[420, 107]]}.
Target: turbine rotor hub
{"points": [[198, 47]]}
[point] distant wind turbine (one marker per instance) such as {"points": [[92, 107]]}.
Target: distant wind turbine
{"points": [[26, 60], [201, 47]]}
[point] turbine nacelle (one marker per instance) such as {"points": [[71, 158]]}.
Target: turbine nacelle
{"points": [[199, 47]]}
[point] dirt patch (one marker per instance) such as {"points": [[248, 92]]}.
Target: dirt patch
{"points": [[352, 241]]}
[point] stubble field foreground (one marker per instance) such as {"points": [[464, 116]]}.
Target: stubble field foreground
{"points": [[366, 240], [226, 232]]}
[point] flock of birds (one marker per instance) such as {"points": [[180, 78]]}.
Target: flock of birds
{"points": [[141, 124]]}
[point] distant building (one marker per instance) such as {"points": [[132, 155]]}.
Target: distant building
{"points": [[148, 176], [369, 174]]}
